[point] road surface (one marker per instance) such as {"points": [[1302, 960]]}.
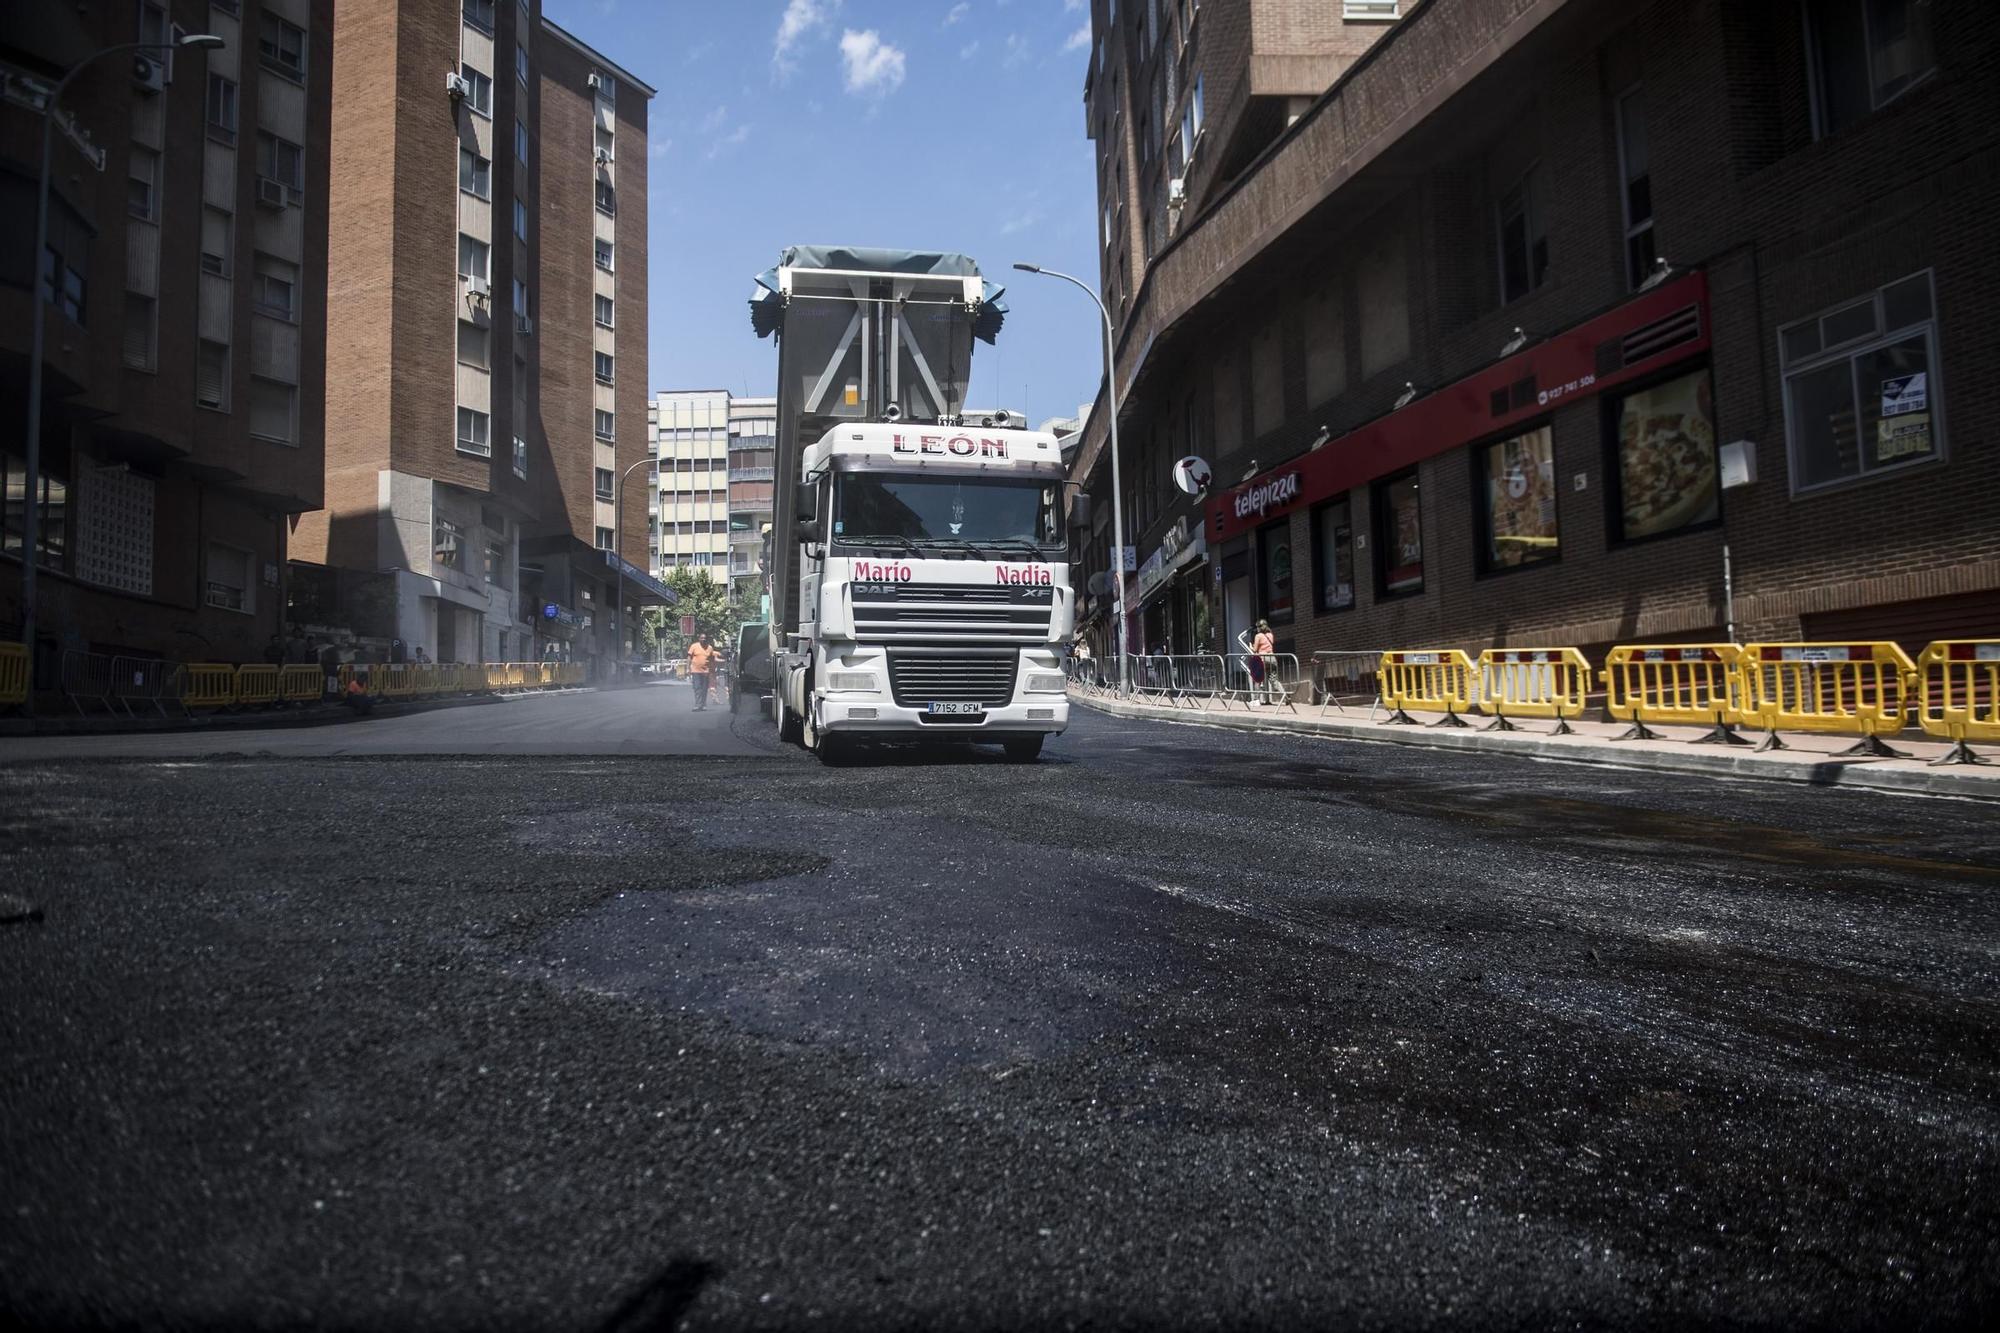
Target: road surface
{"points": [[581, 1012]]}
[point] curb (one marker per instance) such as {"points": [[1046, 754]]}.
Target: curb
{"points": [[1860, 773]]}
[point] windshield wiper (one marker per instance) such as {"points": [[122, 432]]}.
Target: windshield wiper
{"points": [[1018, 543], [885, 539]]}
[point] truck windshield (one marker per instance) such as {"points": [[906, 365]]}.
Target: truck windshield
{"points": [[972, 510]]}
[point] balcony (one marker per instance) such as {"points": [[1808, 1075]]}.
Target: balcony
{"points": [[751, 473]]}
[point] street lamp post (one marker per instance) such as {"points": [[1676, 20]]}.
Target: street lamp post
{"points": [[31, 512], [617, 534], [1117, 490]]}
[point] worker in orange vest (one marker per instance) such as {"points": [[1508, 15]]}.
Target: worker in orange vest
{"points": [[702, 657]]}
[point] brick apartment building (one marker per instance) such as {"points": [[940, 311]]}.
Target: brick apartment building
{"points": [[488, 282], [185, 282], [712, 486], [1544, 309]]}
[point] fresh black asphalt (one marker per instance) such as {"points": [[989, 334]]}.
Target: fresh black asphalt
{"points": [[1177, 1028]]}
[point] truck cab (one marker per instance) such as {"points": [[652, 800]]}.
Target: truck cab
{"points": [[934, 594]]}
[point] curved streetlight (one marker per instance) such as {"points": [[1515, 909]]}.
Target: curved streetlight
{"points": [[31, 512], [1117, 490], [617, 536]]}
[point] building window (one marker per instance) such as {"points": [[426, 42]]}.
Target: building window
{"points": [[607, 198], [211, 375], [520, 298], [495, 568], [447, 544], [1664, 470], [520, 458], [479, 90], [474, 345], [1865, 54], [282, 161], [215, 248], [605, 423], [472, 428], [521, 63], [273, 409], [472, 256], [605, 87], [602, 139], [1333, 530], [228, 580], [1370, 11], [605, 539], [475, 174], [1274, 569], [281, 47], [1515, 480], [1861, 387], [222, 107], [604, 483], [604, 255], [1635, 170], [1524, 242], [1399, 536], [274, 288], [52, 534], [141, 319], [603, 368], [479, 13], [604, 310], [141, 198], [520, 139], [520, 220], [66, 261]]}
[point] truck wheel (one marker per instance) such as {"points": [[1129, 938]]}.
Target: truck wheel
{"points": [[834, 751], [791, 728], [1023, 749]]}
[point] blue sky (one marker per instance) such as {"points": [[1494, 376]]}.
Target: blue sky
{"points": [[920, 124]]}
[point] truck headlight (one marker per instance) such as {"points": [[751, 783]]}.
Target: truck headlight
{"points": [[1046, 682], [851, 680]]}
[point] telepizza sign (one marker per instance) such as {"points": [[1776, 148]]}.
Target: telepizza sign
{"points": [[1649, 332]]}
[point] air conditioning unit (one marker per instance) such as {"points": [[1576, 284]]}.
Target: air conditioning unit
{"points": [[150, 74], [477, 289], [604, 157], [523, 323], [596, 83], [1176, 192], [270, 192], [457, 87]]}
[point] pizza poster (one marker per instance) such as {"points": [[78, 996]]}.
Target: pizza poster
{"points": [[1666, 457]]}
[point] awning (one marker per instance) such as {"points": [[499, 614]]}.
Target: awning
{"points": [[649, 590]]}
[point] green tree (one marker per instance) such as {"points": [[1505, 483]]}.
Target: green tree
{"points": [[715, 612]]}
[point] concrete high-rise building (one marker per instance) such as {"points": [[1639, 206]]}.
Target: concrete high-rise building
{"points": [[690, 520], [488, 279], [753, 447], [184, 291]]}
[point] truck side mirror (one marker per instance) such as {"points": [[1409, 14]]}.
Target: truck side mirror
{"points": [[807, 501], [1079, 510], [809, 530]]}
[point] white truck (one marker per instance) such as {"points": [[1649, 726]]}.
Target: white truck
{"points": [[919, 570]]}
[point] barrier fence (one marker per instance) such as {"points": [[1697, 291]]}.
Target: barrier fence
{"points": [[1958, 695], [1865, 689], [13, 674]]}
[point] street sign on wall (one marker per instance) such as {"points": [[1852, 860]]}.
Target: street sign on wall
{"points": [[687, 624]]}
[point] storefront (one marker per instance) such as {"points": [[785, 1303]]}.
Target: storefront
{"points": [[1171, 591], [1377, 517]]}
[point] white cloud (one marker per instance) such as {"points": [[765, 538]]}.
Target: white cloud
{"points": [[1017, 50], [1080, 39], [1020, 222], [874, 67], [969, 50], [728, 141], [659, 147], [800, 20], [958, 11], [1071, 6], [712, 122]]}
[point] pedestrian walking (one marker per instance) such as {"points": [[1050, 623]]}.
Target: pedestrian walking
{"points": [[1260, 657], [274, 651], [329, 669], [702, 658]]}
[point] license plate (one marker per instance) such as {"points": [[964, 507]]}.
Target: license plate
{"points": [[953, 708]]}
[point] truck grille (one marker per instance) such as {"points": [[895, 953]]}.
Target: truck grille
{"points": [[986, 679], [915, 611]]}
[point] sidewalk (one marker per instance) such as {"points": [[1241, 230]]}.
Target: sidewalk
{"points": [[1808, 758]]}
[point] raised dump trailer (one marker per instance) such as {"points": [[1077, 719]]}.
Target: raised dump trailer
{"points": [[918, 566]]}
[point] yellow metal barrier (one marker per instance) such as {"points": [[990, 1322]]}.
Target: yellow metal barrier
{"points": [[1846, 688], [1958, 695], [1533, 682], [395, 678], [423, 678], [300, 683], [13, 673], [517, 674], [257, 683], [1688, 684], [496, 675], [1442, 680], [571, 673], [208, 685], [374, 678]]}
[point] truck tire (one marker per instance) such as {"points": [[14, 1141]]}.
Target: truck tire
{"points": [[1023, 749], [791, 727], [835, 750]]}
